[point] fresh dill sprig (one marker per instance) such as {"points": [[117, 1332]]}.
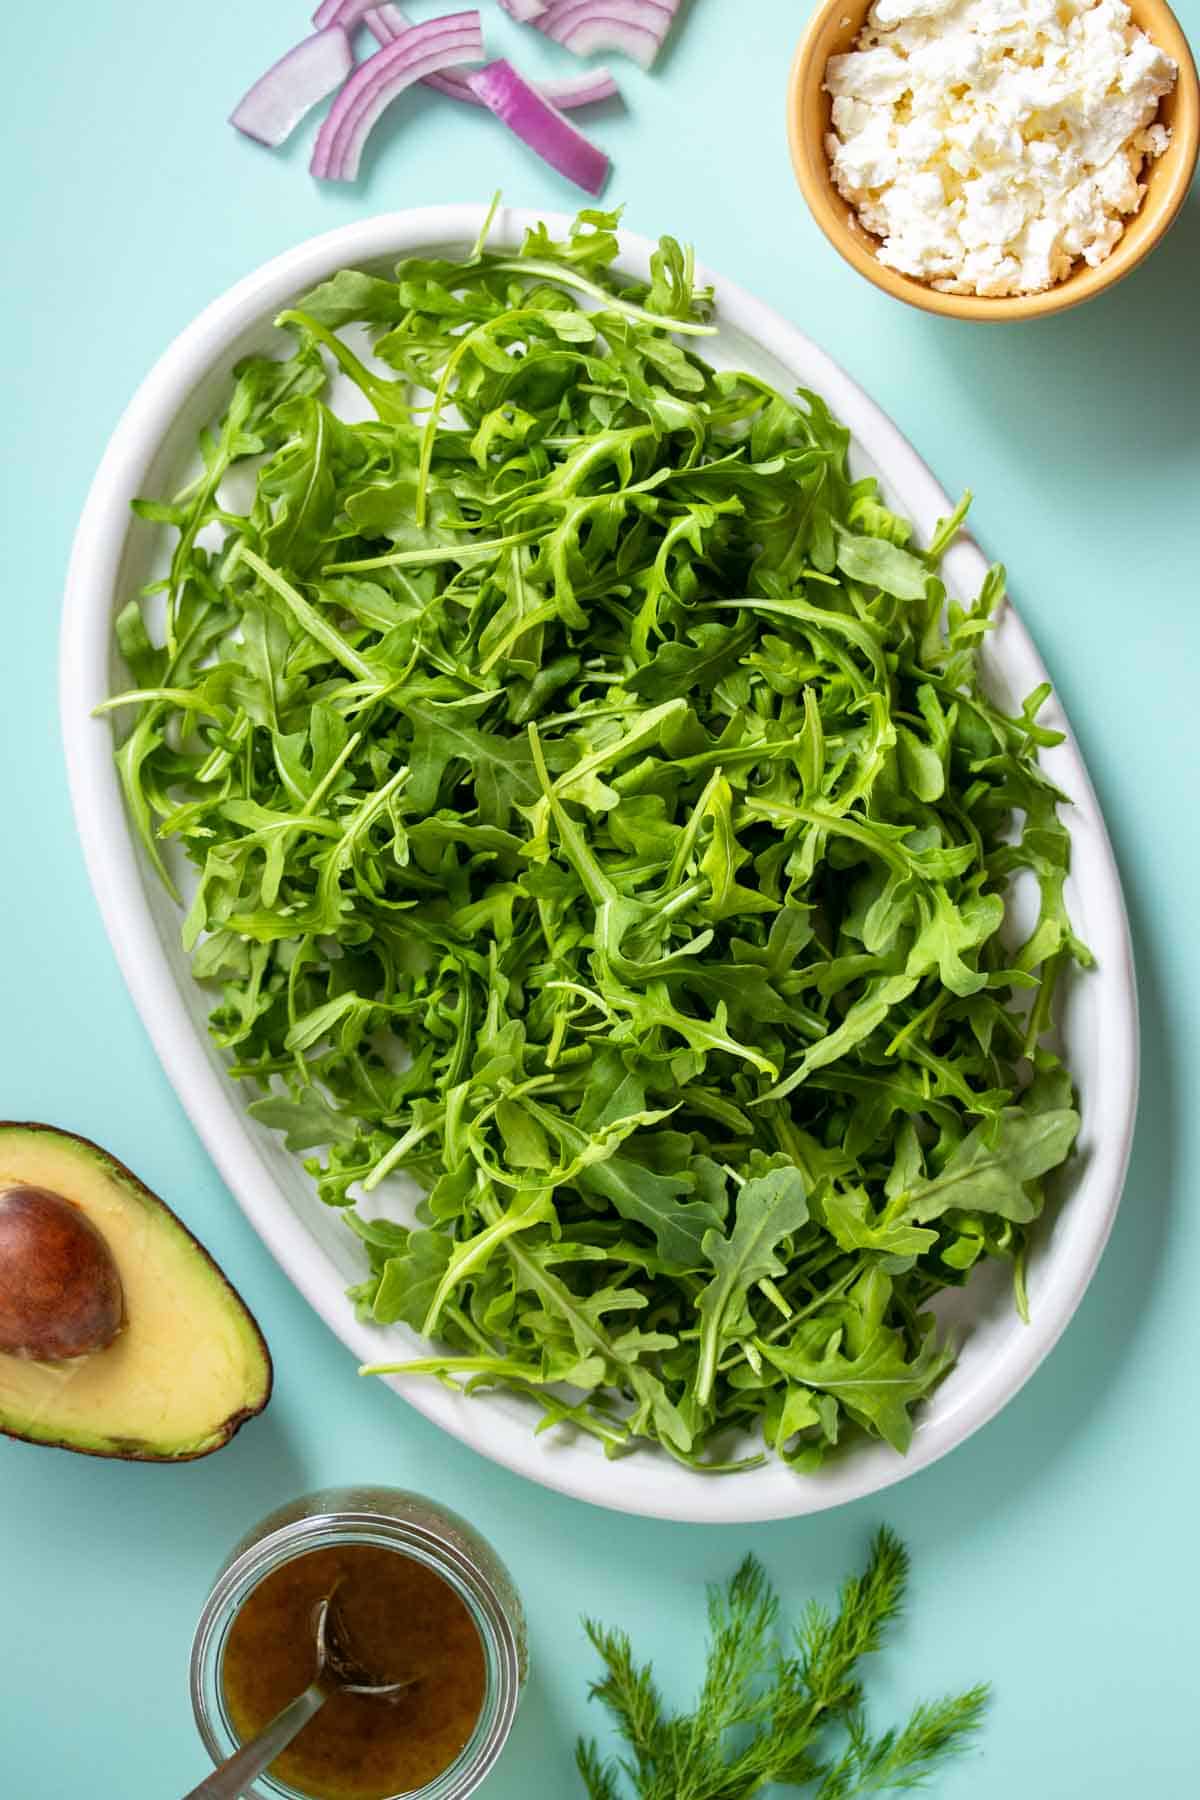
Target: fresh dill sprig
{"points": [[763, 1716]]}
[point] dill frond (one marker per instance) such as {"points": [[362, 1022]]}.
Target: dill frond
{"points": [[763, 1717]]}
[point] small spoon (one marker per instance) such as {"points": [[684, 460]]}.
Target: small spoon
{"points": [[337, 1672]]}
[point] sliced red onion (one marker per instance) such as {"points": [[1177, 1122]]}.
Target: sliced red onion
{"points": [[422, 50], [524, 11], [279, 99], [540, 125], [567, 92], [386, 23], [346, 13], [636, 27], [452, 86]]}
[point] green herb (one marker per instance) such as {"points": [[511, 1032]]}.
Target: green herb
{"points": [[764, 1716], [599, 819]]}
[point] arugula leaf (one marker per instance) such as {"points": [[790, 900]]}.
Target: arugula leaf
{"points": [[770, 1208], [592, 813], [992, 1168], [879, 563], [876, 1383], [848, 1216], [650, 1199], [306, 1119]]}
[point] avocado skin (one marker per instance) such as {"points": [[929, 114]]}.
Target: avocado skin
{"points": [[130, 1449]]}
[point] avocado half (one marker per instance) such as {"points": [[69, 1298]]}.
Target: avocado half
{"points": [[189, 1364]]}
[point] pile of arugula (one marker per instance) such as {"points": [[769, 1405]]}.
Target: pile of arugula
{"points": [[764, 1716], [587, 733]]}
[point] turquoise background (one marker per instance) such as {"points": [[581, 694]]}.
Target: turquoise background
{"points": [[1055, 1552]]}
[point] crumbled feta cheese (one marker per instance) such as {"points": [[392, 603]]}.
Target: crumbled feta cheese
{"points": [[992, 143]]}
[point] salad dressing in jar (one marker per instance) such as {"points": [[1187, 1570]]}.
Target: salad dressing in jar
{"points": [[421, 1598]]}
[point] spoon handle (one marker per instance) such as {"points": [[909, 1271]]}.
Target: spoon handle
{"points": [[240, 1770]]}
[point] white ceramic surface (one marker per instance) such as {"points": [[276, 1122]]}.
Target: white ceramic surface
{"points": [[149, 451]]}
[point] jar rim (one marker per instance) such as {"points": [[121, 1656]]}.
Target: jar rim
{"points": [[250, 1566]]}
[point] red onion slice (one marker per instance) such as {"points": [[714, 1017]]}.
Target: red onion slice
{"points": [[636, 27], [422, 50], [277, 102], [525, 11], [453, 86], [567, 92], [386, 23], [540, 125], [346, 13]]}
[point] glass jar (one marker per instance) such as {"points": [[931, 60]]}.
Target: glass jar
{"points": [[391, 1520]]}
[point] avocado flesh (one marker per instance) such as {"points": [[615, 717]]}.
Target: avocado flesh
{"points": [[191, 1364]]}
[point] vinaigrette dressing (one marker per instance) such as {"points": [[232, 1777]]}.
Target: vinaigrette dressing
{"points": [[402, 1622]]}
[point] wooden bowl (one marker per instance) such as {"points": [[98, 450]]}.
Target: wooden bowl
{"points": [[832, 31]]}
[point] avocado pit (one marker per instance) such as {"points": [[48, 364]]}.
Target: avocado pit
{"points": [[60, 1290]]}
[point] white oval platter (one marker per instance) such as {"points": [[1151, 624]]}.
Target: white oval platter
{"points": [[150, 449]]}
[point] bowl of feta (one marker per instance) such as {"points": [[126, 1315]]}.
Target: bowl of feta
{"points": [[994, 159]]}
